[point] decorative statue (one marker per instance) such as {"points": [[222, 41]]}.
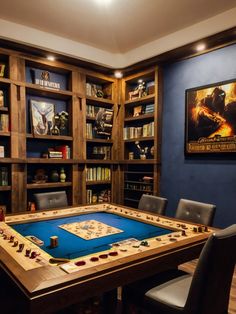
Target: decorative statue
{"points": [[142, 151], [63, 127], [139, 91], [56, 125]]}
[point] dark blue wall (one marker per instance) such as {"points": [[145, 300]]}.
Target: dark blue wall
{"points": [[205, 179]]}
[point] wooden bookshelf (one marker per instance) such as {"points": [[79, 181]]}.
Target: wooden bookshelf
{"points": [[81, 93]]}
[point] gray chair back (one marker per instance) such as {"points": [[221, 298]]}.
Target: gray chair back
{"points": [[197, 212], [153, 204], [51, 200], [210, 288]]}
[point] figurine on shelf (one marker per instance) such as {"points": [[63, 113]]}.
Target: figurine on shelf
{"points": [[139, 91], [142, 151], [1, 98], [63, 127], [62, 175], [54, 176], [100, 93], [56, 124], [40, 176]]}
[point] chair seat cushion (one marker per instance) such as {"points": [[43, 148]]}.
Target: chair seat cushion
{"points": [[173, 292], [135, 292]]}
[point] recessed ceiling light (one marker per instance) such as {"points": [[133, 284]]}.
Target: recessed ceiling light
{"points": [[51, 58], [103, 2], [118, 74], [200, 47]]}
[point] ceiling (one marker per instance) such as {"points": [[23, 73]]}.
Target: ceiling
{"points": [[112, 31]]}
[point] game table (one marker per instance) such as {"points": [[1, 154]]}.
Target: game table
{"points": [[56, 258]]}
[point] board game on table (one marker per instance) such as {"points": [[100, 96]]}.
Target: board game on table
{"points": [[76, 252]]}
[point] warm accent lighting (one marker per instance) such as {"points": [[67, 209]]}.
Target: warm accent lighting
{"points": [[103, 2], [51, 58], [118, 74], [200, 47]]}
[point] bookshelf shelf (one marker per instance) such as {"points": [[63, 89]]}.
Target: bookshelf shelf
{"points": [[140, 139], [51, 161], [5, 188], [36, 90], [50, 137], [141, 117], [98, 182], [3, 109], [5, 133], [48, 185], [144, 99]]}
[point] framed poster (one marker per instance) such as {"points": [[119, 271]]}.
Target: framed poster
{"points": [[210, 124], [42, 117]]}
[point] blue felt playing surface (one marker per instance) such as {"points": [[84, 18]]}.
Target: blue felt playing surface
{"points": [[71, 246]]}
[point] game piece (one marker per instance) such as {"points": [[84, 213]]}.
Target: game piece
{"points": [[33, 254], [15, 243], [11, 239], [200, 229], [27, 252], [53, 241], [35, 240], [183, 233], [113, 253], [103, 256], [194, 229], [21, 247], [80, 263], [58, 260]]}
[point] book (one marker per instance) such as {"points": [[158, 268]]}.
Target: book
{"points": [[2, 152], [1, 98], [65, 150], [4, 122]]}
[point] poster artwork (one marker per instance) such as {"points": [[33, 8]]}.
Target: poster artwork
{"points": [[211, 119]]}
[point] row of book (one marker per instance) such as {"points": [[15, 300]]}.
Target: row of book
{"points": [[4, 122], [98, 196], [104, 151], [98, 174], [60, 152], [136, 132], [98, 90], [142, 109], [2, 151], [139, 187], [149, 108], [89, 131], [92, 89], [91, 111]]}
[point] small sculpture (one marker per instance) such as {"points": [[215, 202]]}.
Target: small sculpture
{"points": [[142, 151], [56, 124], [139, 91], [40, 176]]}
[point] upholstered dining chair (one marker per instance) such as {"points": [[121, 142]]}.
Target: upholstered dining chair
{"points": [[196, 212], [205, 292], [153, 204], [51, 200]]}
